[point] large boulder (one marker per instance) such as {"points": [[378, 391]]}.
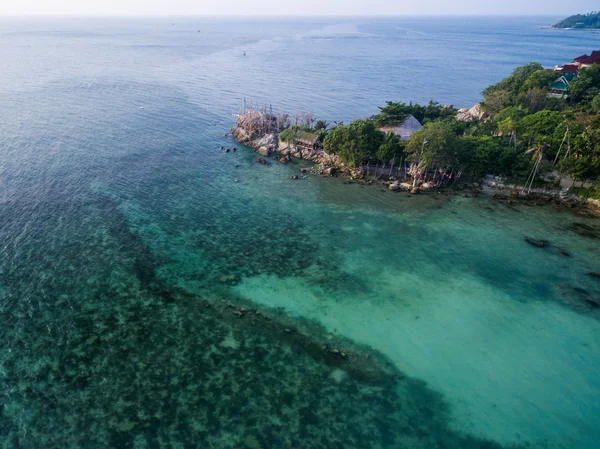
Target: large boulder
{"points": [[265, 144], [463, 115], [357, 173], [394, 187], [426, 187], [478, 113], [475, 113], [240, 134], [263, 151]]}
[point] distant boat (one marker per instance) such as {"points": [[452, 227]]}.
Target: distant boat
{"points": [[244, 53]]}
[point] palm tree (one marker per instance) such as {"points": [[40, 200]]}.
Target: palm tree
{"points": [[537, 156]]}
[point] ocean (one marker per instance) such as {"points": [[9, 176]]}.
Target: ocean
{"points": [[148, 300]]}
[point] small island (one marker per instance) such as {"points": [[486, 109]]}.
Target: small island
{"points": [[590, 21]]}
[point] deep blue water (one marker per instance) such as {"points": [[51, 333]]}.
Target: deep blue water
{"points": [[127, 251]]}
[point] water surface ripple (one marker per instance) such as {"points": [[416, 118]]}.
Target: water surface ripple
{"points": [[147, 300]]}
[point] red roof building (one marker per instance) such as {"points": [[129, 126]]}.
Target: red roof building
{"points": [[569, 68], [586, 61]]}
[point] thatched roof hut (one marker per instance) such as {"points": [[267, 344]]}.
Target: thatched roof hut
{"points": [[405, 128], [307, 139]]}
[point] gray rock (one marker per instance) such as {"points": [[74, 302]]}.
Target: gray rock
{"points": [[263, 151]]}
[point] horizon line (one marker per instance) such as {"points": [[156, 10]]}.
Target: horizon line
{"points": [[382, 15]]}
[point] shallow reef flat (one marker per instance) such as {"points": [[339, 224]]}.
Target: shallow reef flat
{"points": [[124, 360]]}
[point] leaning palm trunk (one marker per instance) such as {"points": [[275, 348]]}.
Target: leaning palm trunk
{"points": [[537, 155]]}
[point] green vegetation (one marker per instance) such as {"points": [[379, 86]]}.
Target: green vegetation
{"points": [[554, 134], [358, 142], [394, 113], [586, 88], [585, 192], [591, 20], [300, 132], [525, 135]]}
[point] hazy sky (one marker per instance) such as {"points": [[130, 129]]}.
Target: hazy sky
{"points": [[291, 7]]}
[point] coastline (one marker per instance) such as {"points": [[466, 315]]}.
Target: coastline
{"points": [[268, 145]]}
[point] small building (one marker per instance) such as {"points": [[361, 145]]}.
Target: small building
{"points": [[560, 87], [569, 68], [307, 140], [405, 128], [584, 61]]}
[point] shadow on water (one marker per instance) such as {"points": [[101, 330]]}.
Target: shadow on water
{"points": [[124, 361]]}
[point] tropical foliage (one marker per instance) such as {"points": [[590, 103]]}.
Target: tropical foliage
{"points": [[356, 143], [591, 20], [525, 134]]}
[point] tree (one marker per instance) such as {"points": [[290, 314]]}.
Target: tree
{"points": [[355, 143], [540, 79], [393, 113], [584, 161], [321, 124], [591, 20], [496, 100], [515, 81], [390, 148], [508, 121], [543, 129], [586, 86], [481, 155], [595, 104], [432, 146], [534, 99]]}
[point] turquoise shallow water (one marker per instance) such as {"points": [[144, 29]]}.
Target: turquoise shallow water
{"points": [[147, 300]]}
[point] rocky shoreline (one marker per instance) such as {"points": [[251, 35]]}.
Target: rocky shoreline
{"points": [[267, 145]]}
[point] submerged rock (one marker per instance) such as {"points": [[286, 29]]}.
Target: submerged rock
{"points": [[230, 279], [537, 243], [579, 299], [585, 230]]}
